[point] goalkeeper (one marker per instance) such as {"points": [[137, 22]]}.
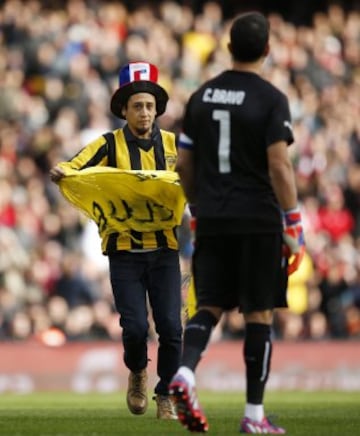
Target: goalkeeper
{"points": [[235, 169]]}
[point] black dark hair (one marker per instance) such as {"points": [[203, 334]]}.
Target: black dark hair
{"points": [[249, 36]]}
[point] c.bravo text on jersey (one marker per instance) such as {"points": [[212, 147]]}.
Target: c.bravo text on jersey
{"points": [[224, 96]]}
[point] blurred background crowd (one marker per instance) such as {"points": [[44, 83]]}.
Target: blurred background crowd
{"points": [[59, 66]]}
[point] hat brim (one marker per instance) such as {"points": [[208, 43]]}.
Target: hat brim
{"points": [[122, 95]]}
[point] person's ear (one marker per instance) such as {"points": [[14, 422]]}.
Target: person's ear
{"points": [[229, 47], [123, 111]]}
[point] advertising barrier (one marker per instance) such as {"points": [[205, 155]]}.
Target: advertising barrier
{"points": [[97, 366]]}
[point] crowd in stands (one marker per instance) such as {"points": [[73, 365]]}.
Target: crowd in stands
{"points": [[58, 69]]}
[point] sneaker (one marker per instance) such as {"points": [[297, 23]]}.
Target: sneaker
{"points": [[187, 406], [137, 392], [165, 407], [265, 426]]}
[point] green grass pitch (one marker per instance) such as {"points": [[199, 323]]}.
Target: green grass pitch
{"points": [[68, 414]]}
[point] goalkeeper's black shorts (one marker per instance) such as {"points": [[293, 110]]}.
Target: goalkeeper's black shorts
{"points": [[245, 270]]}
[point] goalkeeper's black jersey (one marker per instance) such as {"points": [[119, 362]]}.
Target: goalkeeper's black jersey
{"points": [[123, 150], [230, 121]]}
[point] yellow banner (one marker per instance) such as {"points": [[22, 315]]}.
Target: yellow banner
{"points": [[122, 200]]}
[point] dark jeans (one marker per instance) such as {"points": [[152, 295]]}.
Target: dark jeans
{"points": [[156, 274]]}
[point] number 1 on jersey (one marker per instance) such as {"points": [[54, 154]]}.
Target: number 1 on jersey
{"points": [[224, 140]]}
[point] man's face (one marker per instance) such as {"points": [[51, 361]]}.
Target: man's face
{"points": [[140, 113]]}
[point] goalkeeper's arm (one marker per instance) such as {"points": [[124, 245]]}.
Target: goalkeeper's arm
{"points": [[283, 182]]}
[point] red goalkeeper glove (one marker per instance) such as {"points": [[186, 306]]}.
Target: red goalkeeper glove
{"points": [[192, 209], [293, 237]]}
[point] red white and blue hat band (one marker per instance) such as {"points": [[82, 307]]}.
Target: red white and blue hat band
{"points": [[138, 77]]}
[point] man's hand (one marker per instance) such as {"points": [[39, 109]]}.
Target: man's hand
{"points": [[293, 236], [56, 174]]}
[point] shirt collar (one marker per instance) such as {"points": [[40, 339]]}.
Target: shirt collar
{"points": [[155, 137]]}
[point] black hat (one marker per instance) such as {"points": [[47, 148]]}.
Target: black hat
{"points": [[138, 77]]}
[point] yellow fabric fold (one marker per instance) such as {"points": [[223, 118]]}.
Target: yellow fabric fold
{"points": [[122, 200]]}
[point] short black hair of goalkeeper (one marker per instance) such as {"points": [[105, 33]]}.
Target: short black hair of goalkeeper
{"points": [[249, 37]]}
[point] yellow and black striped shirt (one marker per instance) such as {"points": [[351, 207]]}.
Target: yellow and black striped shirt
{"points": [[121, 149]]}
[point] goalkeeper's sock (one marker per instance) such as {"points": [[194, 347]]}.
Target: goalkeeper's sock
{"points": [[254, 412], [257, 355], [196, 337]]}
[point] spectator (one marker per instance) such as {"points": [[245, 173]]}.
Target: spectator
{"points": [[71, 285]]}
